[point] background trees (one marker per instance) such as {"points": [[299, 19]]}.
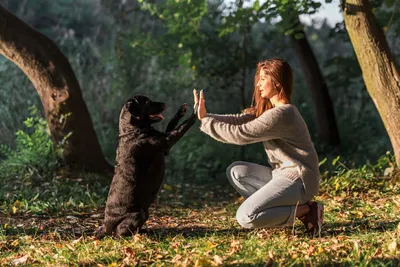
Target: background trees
{"points": [[50, 72], [378, 65], [120, 48]]}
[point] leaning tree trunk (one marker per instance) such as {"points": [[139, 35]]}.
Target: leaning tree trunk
{"points": [[52, 76], [378, 66], [327, 128]]}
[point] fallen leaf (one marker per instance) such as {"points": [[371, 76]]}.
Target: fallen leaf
{"points": [[167, 187], [393, 246], [76, 240], [218, 260], [15, 243], [235, 245], [211, 245], [388, 171], [378, 252], [202, 262], [14, 209], [129, 252], [21, 260], [176, 258]]}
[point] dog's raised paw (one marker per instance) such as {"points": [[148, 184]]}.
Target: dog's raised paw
{"points": [[182, 109]]}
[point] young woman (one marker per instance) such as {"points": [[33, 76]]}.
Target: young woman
{"points": [[274, 196]]}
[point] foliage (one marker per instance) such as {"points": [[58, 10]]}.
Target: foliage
{"points": [[34, 154], [344, 180], [121, 48]]}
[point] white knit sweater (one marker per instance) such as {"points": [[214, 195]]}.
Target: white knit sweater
{"points": [[285, 137]]}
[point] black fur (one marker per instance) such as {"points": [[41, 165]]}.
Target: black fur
{"points": [[140, 164]]}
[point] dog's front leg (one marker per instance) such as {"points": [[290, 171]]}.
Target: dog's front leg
{"points": [[176, 134], [174, 121]]}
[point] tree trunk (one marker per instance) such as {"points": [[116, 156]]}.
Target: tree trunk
{"points": [[51, 74], [378, 66], [327, 128]]}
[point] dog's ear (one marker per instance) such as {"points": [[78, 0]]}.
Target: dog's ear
{"points": [[132, 105]]}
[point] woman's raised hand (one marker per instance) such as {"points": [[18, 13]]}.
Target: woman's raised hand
{"points": [[201, 112]]}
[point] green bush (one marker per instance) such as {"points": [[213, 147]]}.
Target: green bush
{"points": [[342, 179], [34, 154]]}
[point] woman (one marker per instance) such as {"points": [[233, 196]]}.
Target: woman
{"points": [[274, 196]]}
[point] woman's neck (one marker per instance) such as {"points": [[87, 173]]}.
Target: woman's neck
{"points": [[277, 101]]}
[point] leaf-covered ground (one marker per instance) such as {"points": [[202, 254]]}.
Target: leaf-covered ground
{"points": [[193, 226]]}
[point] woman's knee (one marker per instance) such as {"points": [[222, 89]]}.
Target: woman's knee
{"points": [[233, 171], [245, 218]]}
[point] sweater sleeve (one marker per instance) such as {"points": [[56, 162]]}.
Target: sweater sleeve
{"points": [[270, 125], [235, 119]]}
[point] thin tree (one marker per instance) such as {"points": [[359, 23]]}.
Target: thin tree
{"points": [[51, 74], [378, 66], [327, 129]]}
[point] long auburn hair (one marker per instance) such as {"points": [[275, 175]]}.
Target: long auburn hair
{"points": [[280, 72]]}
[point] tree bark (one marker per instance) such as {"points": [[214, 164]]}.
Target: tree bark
{"points": [[378, 66], [52, 76], [327, 128]]}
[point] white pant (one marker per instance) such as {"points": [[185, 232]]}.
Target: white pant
{"points": [[270, 199]]}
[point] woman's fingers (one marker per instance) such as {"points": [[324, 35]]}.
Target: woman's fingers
{"points": [[202, 107], [195, 96], [202, 101]]}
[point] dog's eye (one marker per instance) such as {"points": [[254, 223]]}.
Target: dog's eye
{"points": [[148, 102]]}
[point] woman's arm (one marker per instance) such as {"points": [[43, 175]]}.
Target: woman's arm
{"points": [[235, 119], [271, 125]]}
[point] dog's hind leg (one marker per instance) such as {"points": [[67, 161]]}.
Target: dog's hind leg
{"points": [[132, 223]]}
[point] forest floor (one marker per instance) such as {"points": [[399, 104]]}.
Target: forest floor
{"points": [[191, 225]]}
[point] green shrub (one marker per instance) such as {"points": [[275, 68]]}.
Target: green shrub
{"points": [[380, 176], [34, 154]]}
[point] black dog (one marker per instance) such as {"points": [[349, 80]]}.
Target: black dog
{"points": [[140, 164]]}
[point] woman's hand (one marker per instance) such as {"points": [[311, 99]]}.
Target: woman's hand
{"points": [[201, 112]]}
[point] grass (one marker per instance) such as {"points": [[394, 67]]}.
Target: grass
{"points": [[51, 223]]}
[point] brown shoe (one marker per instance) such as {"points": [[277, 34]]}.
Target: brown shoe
{"points": [[314, 219]]}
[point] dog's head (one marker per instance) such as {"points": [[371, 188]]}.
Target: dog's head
{"points": [[144, 110], [139, 111]]}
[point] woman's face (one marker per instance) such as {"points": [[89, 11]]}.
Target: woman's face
{"points": [[265, 85]]}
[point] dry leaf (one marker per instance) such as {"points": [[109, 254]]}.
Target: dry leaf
{"points": [[202, 262], [218, 260], [393, 246], [176, 258], [21, 260], [211, 245], [378, 252], [76, 240], [15, 243], [129, 252]]}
